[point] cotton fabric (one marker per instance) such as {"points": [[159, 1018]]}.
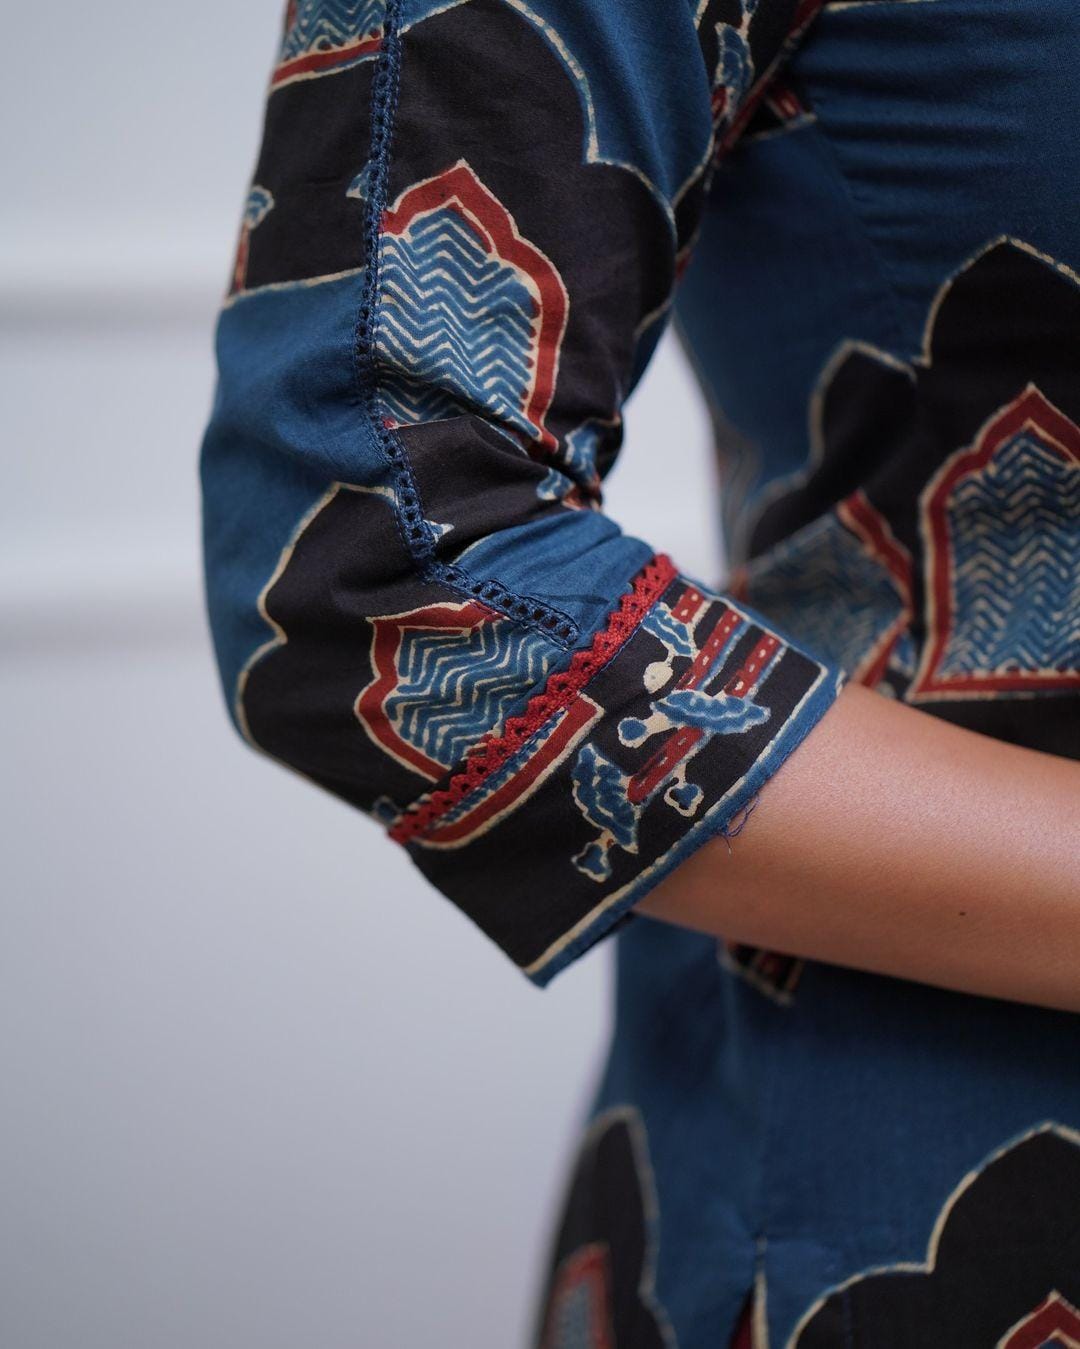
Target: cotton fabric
{"points": [[469, 223]]}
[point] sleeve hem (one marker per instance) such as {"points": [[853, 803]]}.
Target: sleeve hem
{"points": [[651, 742], [595, 926]]}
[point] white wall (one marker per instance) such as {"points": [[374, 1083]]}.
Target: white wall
{"points": [[261, 1087]]}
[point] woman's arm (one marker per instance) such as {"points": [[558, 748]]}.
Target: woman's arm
{"points": [[459, 249], [460, 246], [898, 843]]}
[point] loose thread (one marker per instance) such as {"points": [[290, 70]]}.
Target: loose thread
{"points": [[728, 833]]}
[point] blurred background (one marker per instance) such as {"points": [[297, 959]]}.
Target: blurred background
{"points": [[260, 1085]]}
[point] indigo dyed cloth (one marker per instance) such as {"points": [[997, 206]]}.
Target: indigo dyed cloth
{"points": [[469, 223]]}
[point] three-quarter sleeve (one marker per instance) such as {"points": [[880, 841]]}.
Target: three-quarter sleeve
{"points": [[458, 251]]}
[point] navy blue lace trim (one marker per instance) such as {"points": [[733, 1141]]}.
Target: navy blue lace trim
{"points": [[416, 533]]}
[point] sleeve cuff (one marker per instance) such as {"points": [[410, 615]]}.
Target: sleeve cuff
{"points": [[654, 739]]}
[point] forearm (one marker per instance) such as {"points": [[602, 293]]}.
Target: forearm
{"points": [[894, 842]]}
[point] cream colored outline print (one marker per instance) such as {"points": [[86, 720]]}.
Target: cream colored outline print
{"points": [[792, 482], [554, 39], [593, 155], [928, 1265], [592, 141], [630, 1115], [883, 646], [771, 133], [434, 844], [372, 55], [460, 607], [868, 4], [1055, 1299], [996, 242], [598, 910], [925, 359], [483, 213], [702, 166], [760, 80], [920, 689], [651, 1204], [577, 74], [759, 1323], [281, 637]]}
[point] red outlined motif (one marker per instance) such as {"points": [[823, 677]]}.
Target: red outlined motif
{"points": [[534, 764], [784, 102], [872, 529], [999, 574], [331, 36], [743, 1338], [563, 689], [324, 60], [258, 206], [680, 743], [386, 645], [580, 1302], [601, 1290], [804, 14], [460, 190], [842, 585], [684, 714], [1055, 1322], [771, 973]]}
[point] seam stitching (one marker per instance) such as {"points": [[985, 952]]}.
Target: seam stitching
{"points": [[849, 196], [413, 528]]}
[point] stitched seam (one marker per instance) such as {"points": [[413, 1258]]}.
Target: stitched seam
{"points": [[416, 534], [490, 753], [845, 189]]}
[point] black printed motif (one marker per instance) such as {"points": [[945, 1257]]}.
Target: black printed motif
{"points": [[599, 1293], [491, 360], [1003, 1268], [941, 516]]}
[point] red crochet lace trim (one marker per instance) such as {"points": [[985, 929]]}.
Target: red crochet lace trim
{"points": [[490, 753]]}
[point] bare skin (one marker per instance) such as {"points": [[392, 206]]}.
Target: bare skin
{"points": [[894, 842]]}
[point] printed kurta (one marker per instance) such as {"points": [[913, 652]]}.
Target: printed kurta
{"points": [[469, 223]]}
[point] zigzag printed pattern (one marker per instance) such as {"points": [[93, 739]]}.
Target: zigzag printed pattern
{"points": [[323, 25], [456, 326], [1016, 584], [824, 589], [454, 687]]}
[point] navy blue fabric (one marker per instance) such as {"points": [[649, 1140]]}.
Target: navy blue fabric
{"points": [[451, 271], [469, 224]]}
